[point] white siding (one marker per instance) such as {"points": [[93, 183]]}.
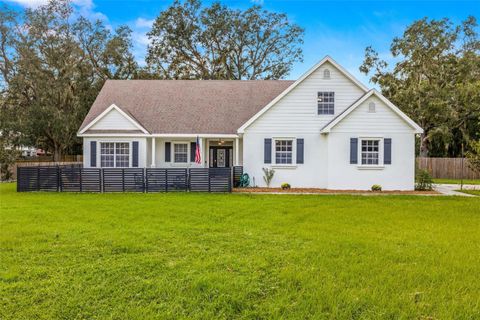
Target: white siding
{"points": [[384, 123], [297, 111], [142, 149], [327, 157], [114, 120], [312, 173], [383, 120], [295, 116], [397, 176]]}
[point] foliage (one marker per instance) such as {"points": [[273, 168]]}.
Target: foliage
{"points": [[268, 175], [423, 180], [285, 186], [188, 41], [52, 70], [376, 187], [435, 80], [473, 156], [235, 256], [8, 155]]}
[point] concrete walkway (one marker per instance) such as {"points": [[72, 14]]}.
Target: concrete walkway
{"points": [[449, 189]]}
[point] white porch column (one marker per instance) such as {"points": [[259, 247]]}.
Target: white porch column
{"points": [[237, 152], [153, 153]]}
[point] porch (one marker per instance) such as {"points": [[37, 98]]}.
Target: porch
{"points": [[179, 151]]}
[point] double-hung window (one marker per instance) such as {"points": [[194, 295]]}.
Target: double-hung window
{"points": [[180, 152], [370, 151], [326, 102], [114, 154], [283, 151]]}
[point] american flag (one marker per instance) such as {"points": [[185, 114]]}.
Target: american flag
{"points": [[198, 157]]}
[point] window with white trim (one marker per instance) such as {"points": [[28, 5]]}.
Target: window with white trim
{"points": [[370, 152], [283, 151], [114, 154], [326, 102], [180, 152]]}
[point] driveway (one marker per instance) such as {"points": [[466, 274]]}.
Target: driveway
{"points": [[449, 189]]}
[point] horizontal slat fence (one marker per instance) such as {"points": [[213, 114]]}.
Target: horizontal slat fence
{"points": [[77, 179], [447, 168], [237, 174]]}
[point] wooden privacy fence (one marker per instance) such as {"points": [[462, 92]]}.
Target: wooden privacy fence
{"points": [[447, 168], [78, 179]]}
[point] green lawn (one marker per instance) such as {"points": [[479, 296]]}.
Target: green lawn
{"points": [[457, 181], [201, 256]]}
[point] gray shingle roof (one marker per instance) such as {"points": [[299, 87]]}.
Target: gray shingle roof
{"points": [[188, 106]]}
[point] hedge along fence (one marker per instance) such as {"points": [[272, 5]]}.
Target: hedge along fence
{"points": [[78, 179], [447, 168]]}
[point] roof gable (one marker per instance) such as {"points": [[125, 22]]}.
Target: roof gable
{"points": [[114, 118], [328, 59], [329, 126]]}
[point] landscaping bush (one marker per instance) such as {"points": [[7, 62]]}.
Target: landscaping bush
{"points": [[268, 175], [285, 186], [423, 181], [376, 187]]}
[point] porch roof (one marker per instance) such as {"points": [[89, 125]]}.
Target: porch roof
{"points": [[188, 106]]}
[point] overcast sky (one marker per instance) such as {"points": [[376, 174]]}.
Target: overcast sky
{"points": [[341, 29]]}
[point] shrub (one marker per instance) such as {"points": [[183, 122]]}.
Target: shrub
{"points": [[285, 186], [423, 180], [268, 175], [376, 187]]}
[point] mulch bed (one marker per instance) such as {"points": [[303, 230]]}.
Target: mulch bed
{"points": [[327, 191]]}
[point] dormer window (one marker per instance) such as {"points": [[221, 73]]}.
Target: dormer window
{"points": [[371, 107], [326, 74], [326, 102]]}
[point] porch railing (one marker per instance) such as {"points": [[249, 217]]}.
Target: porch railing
{"points": [[78, 179]]}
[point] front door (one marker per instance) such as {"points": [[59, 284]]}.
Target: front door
{"points": [[220, 157]]}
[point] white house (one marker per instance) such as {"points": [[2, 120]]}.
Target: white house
{"points": [[325, 130]]}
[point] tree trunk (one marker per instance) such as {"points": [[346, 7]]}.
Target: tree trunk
{"points": [[57, 153], [423, 145]]}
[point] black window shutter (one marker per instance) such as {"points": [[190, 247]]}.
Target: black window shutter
{"points": [[353, 150], [167, 151], [193, 147], [299, 150], [267, 151], [387, 151], [135, 154], [93, 153]]}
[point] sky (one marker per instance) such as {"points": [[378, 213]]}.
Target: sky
{"points": [[341, 29]]}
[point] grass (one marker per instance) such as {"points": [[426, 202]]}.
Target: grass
{"points": [[238, 256], [456, 181], [474, 192]]}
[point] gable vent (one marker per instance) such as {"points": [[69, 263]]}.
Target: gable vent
{"points": [[326, 74], [371, 107]]}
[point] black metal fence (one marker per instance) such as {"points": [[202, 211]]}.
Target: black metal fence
{"points": [[78, 179]]}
